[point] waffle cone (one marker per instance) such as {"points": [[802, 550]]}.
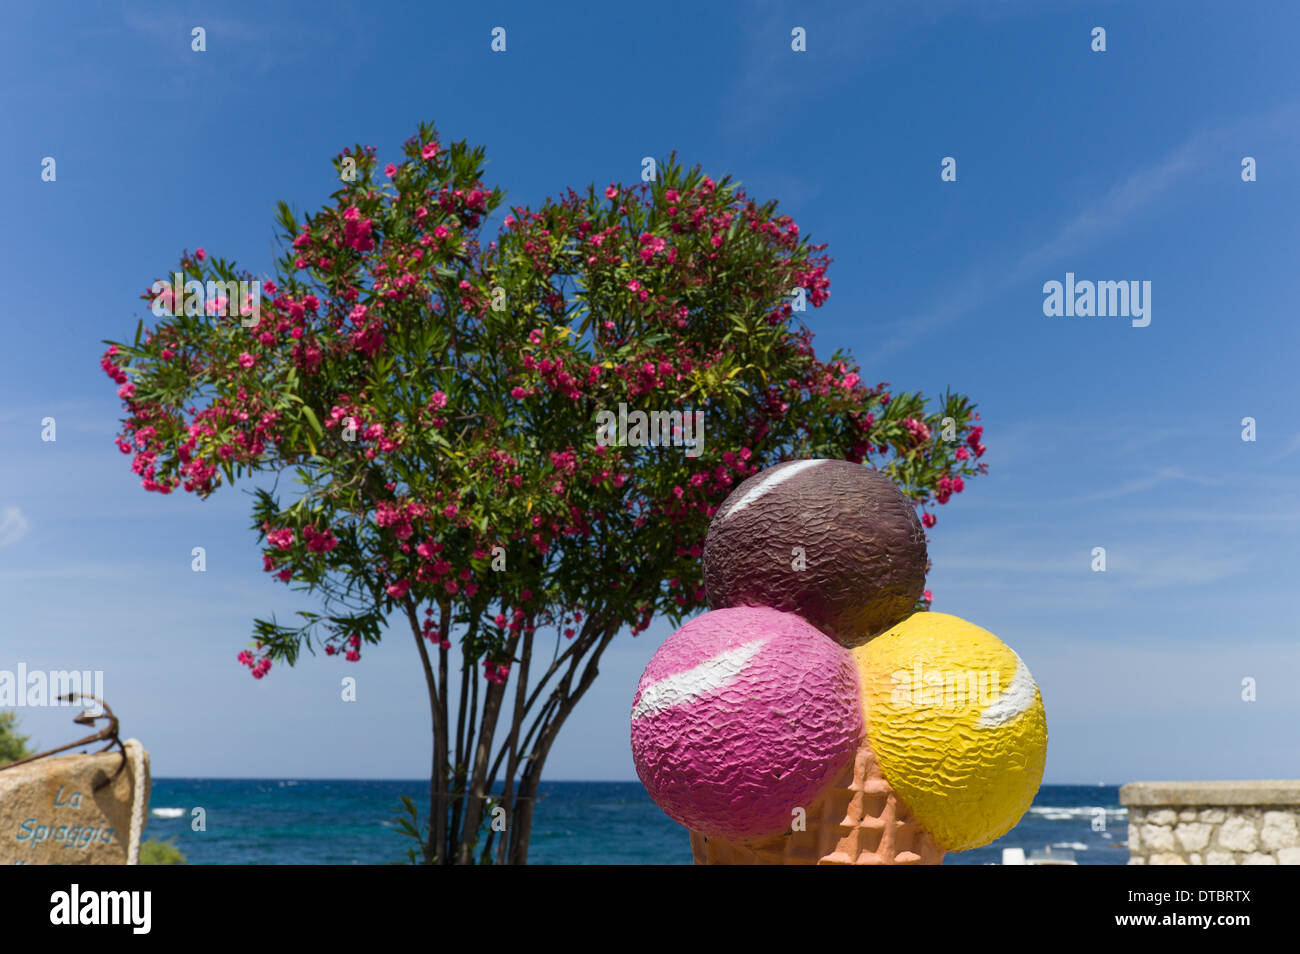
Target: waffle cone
{"points": [[859, 820]]}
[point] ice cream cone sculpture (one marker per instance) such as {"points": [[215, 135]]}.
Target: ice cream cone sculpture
{"points": [[858, 820], [810, 717]]}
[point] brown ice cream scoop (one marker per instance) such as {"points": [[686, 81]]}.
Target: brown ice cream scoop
{"points": [[833, 541]]}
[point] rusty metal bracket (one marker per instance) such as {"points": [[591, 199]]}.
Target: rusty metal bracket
{"points": [[87, 717]]}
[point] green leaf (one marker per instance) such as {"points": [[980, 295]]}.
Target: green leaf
{"points": [[315, 424]]}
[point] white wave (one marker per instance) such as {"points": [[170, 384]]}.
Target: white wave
{"points": [[1060, 813], [1072, 845], [167, 812]]}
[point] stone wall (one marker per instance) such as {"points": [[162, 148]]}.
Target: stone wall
{"points": [[1213, 823]]}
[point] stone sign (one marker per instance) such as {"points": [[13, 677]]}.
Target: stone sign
{"points": [[52, 814]]}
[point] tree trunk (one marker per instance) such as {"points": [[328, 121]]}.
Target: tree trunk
{"points": [[522, 828], [438, 772], [516, 723], [479, 781], [456, 806]]}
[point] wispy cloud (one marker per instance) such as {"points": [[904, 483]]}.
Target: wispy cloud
{"points": [[1147, 571], [240, 44], [13, 526], [1131, 564], [1292, 446], [171, 29], [83, 572], [1163, 475], [865, 36], [1099, 217]]}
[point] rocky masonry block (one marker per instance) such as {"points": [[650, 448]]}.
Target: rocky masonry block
{"points": [[1213, 823], [70, 810]]}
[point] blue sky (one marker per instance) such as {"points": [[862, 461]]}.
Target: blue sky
{"points": [[1122, 165]]}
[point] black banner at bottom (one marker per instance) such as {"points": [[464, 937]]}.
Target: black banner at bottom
{"points": [[983, 905]]}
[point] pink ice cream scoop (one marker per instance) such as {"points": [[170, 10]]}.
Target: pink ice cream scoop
{"points": [[742, 716]]}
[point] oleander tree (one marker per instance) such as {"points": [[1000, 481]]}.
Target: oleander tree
{"points": [[437, 398]]}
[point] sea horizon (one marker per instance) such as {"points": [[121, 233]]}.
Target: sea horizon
{"points": [[353, 821]]}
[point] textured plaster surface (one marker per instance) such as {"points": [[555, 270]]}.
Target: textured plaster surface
{"points": [[833, 541], [752, 713], [958, 726]]}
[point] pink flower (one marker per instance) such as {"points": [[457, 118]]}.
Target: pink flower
{"points": [[429, 151], [440, 231], [919, 431], [928, 520], [439, 400], [281, 539], [928, 596], [200, 254], [399, 589], [246, 360], [611, 192], [390, 170], [319, 542]]}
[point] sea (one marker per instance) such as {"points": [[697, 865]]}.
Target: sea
{"points": [[351, 822]]}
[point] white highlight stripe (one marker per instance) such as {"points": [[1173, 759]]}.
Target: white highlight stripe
{"points": [[1013, 701], [767, 483], [698, 681]]}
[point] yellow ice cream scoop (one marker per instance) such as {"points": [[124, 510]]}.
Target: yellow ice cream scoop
{"points": [[957, 724]]}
